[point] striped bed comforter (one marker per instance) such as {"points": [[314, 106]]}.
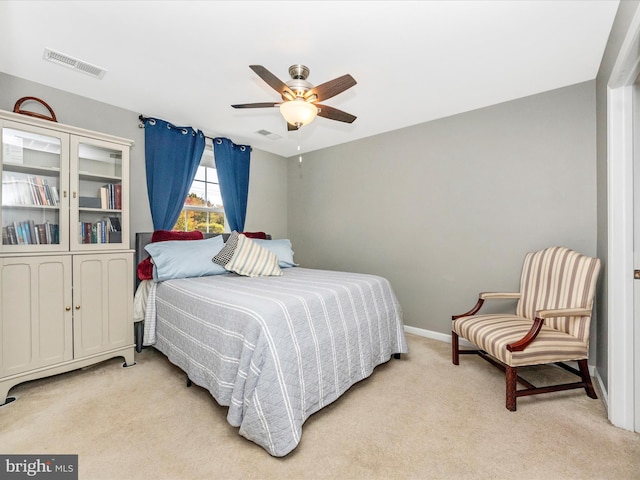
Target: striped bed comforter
{"points": [[275, 349]]}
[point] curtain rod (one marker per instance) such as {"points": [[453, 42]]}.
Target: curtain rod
{"points": [[143, 118]]}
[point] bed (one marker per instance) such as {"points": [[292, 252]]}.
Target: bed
{"points": [[273, 349]]}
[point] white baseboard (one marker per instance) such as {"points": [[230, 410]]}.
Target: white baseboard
{"points": [[443, 337], [603, 390], [428, 334]]}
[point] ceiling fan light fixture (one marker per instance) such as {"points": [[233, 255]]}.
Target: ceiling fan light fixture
{"points": [[298, 112]]}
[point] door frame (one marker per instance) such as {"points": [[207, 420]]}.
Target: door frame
{"points": [[620, 314]]}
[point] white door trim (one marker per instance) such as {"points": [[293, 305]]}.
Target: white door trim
{"points": [[620, 388], [620, 261]]}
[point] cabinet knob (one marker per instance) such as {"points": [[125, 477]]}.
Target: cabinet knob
{"points": [[77, 307], [64, 194], [74, 194], [68, 308]]}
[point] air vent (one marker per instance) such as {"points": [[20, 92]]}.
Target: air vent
{"points": [[74, 63], [268, 134]]}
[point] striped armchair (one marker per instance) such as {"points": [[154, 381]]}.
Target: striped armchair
{"points": [[550, 325]]}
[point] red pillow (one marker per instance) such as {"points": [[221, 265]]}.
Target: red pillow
{"points": [[166, 235], [260, 235], [145, 267]]}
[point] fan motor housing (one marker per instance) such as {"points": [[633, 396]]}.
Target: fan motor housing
{"points": [[298, 72], [298, 83]]}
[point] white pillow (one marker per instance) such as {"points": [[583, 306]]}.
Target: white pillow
{"points": [[185, 258], [282, 248]]}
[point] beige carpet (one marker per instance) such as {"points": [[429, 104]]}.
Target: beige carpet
{"points": [[415, 418]]}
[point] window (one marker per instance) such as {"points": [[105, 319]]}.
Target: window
{"points": [[203, 208]]}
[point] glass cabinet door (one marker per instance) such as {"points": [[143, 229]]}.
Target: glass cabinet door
{"points": [[99, 195], [34, 188]]}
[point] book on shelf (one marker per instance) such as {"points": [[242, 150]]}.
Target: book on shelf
{"points": [[41, 194], [28, 232], [8, 192], [87, 226], [13, 235], [19, 233], [33, 236], [48, 233], [104, 197], [111, 196], [17, 189], [105, 230], [51, 193], [56, 196], [117, 196], [41, 229], [115, 224], [25, 189], [107, 191]]}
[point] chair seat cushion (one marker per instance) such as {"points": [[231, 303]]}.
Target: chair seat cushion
{"points": [[492, 333]]}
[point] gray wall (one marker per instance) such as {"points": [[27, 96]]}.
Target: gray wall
{"points": [[625, 13], [267, 202], [449, 208], [266, 209]]}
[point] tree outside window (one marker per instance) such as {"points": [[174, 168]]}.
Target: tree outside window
{"points": [[203, 209]]}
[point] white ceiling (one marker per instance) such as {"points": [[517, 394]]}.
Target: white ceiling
{"points": [[187, 61]]}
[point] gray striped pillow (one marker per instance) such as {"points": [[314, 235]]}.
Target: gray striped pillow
{"points": [[252, 260]]}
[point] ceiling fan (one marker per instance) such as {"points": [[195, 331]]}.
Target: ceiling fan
{"points": [[299, 106]]}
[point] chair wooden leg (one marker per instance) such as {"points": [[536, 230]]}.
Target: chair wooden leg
{"points": [[586, 378], [455, 349], [512, 381]]}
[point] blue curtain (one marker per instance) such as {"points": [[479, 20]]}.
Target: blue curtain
{"points": [[172, 156], [232, 164]]}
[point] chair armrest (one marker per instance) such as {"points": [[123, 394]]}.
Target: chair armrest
{"points": [[499, 296], [487, 296], [564, 312], [531, 335], [539, 321]]}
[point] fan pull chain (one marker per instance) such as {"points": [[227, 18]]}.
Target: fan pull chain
{"points": [[299, 142]]}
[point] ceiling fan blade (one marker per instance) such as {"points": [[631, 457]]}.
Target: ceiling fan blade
{"points": [[271, 80], [256, 105], [331, 88], [334, 114]]}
